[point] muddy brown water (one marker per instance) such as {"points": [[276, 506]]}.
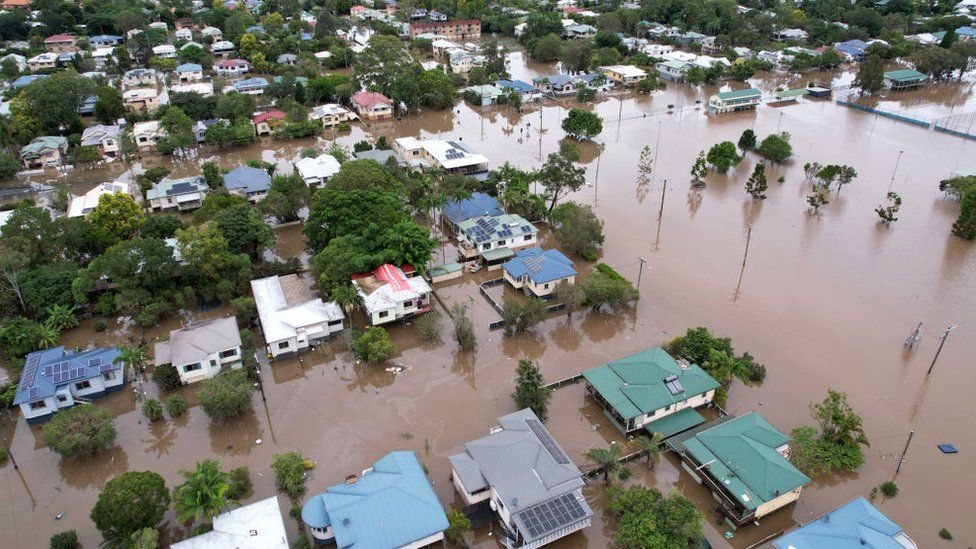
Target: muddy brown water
{"points": [[825, 301]]}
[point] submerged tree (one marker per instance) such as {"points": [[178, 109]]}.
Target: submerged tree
{"points": [[651, 446], [965, 225], [888, 213], [818, 198], [757, 184], [530, 390], [645, 164], [560, 175], [607, 459], [129, 502], [203, 493], [463, 327], [723, 156], [698, 171], [747, 141]]}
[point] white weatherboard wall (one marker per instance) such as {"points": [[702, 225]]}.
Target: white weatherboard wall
{"points": [[693, 402]]}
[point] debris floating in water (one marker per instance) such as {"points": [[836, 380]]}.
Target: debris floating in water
{"points": [[58, 517], [948, 448], [258, 442]]}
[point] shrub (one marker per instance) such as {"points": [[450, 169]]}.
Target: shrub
{"points": [[344, 127], [429, 326], [776, 147], [80, 431], [100, 325], [64, 540], [458, 524], [945, 533], [106, 304], [290, 473], [175, 406], [225, 396], [889, 489], [463, 327], [152, 409], [245, 310], [240, 483], [303, 542], [817, 456], [166, 377], [605, 287], [520, 316], [374, 345], [623, 474]]}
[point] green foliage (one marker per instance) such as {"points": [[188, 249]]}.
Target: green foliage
{"points": [[965, 225], [374, 345], [944, 533], [530, 391], [747, 140], [166, 377], [429, 326], [889, 489], [818, 198], [464, 332], [606, 459], [817, 456], [546, 49], [290, 473], [776, 147], [152, 409], [245, 311], [838, 421], [161, 226], [175, 406], [8, 392], [53, 101], [65, 540], [212, 174], [581, 124], [698, 171], [957, 187], [287, 196], [757, 184], [521, 315], [8, 165], [85, 155], [238, 484], [225, 396], [889, 212], [146, 538], [645, 163], [651, 446], [117, 215], [723, 156], [214, 271], [129, 502], [716, 357], [560, 174], [79, 431], [458, 525], [203, 493], [606, 287], [647, 519], [244, 230], [336, 212]]}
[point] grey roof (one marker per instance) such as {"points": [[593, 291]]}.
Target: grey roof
{"points": [[248, 179], [379, 155], [198, 341], [93, 135]]}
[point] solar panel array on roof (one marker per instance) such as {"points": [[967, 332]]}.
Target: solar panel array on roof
{"points": [[674, 385], [552, 515], [107, 367], [546, 439], [34, 391], [92, 362], [183, 187], [453, 154]]}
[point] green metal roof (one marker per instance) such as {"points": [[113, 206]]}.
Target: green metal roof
{"points": [[444, 269], [682, 420], [739, 94], [741, 456], [635, 385], [497, 253], [904, 75], [790, 93]]}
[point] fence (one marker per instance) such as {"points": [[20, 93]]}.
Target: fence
{"points": [[886, 114], [494, 325], [959, 125]]}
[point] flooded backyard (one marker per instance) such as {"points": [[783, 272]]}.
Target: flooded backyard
{"points": [[824, 301]]}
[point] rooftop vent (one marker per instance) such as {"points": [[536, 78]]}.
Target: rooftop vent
{"points": [[253, 532], [683, 363]]}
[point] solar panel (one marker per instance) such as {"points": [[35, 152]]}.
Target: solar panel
{"points": [[34, 392], [551, 515], [546, 439], [674, 385], [92, 362], [107, 367]]}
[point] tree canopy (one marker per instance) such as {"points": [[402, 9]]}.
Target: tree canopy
{"points": [[129, 502]]}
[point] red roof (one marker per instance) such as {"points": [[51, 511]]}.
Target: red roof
{"points": [[571, 9], [356, 8], [59, 38], [265, 116], [15, 3], [367, 100], [230, 62]]}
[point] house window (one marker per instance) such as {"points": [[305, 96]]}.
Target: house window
{"points": [[408, 303], [192, 367], [527, 237], [335, 323], [384, 314], [82, 386], [39, 405], [109, 376], [213, 363], [546, 286], [283, 345], [228, 353], [61, 398]]}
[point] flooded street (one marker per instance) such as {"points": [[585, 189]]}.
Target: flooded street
{"points": [[825, 301]]}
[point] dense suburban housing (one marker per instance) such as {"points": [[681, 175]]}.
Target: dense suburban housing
{"points": [[459, 29], [291, 319], [55, 379], [201, 350]]}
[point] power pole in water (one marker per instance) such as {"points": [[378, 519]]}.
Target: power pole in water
{"points": [[640, 272], [912, 341], [895, 171], [945, 336], [9, 453]]}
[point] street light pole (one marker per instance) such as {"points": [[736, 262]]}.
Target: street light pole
{"points": [[10, 454], [640, 272], [945, 336], [895, 171]]}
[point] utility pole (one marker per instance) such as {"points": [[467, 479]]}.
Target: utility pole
{"points": [[895, 171], [471, 299], [742, 271], [620, 112], [640, 272], [945, 336], [10, 454], [904, 452], [657, 146], [596, 178], [664, 188]]}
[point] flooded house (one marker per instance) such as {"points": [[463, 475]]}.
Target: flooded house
{"points": [[459, 29], [560, 85], [331, 114], [258, 525], [734, 100], [537, 272], [316, 171], [391, 293], [452, 157], [494, 238], [744, 462], [265, 123], [651, 392], [391, 504], [624, 75], [106, 138], [248, 182], [201, 350], [524, 476], [46, 150], [291, 318], [372, 105], [463, 209], [55, 379], [903, 79], [182, 194], [147, 134], [81, 205], [854, 525]]}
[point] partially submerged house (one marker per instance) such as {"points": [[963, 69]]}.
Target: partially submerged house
{"points": [[855, 525], [903, 79], [46, 150], [265, 123], [523, 475], [477, 205], [55, 379], [392, 293], [494, 238], [147, 134], [331, 114], [537, 272], [651, 391], [453, 157], [81, 205], [251, 183], [291, 318], [106, 138], [372, 105], [316, 171], [391, 504], [182, 194], [734, 100], [202, 349], [744, 462], [258, 525], [625, 75]]}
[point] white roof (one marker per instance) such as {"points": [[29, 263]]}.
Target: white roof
{"points": [[45, 57], [198, 341], [323, 54], [140, 94], [4, 216], [255, 526], [386, 297], [145, 128], [322, 167], [203, 88], [679, 55], [102, 52], [627, 71], [82, 204], [281, 321], [222, 45], [164, 48], [328, 109], [450, 154]]}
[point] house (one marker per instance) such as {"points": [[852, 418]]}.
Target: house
{"points": [[165, 51], [183, 194], [461, 61], [55, 379], [59, 43], [202, 349], [287, 59], [200, 128], [673, 69], [46, 150], [796, 35], [331, 114], [537, 272], [381, 156], [222, 49], [147, 134], [526, 478], [250, 86], [651, 391], [139, 77], [252, 183], [231, 67], [105, 41], [582, 32], [81, 205], [212, 32], [184, 35], [141, 99], [449, 156], [43, 61], [204, 88], [855, 525], [316, 171], [372, 105], [389, 294], [189, 72], [192, 44], [524, 88], [102, 56], [463, 209], [19, 61], [625, 75], [106, 138], [744, 462], [26, 80], [291, 319], [159, 25], [255, 526], [459, 29], [437, 16], [494, 237], [556, 84], [855, 50], [734, 100], [903, 79], [266, 122], [391, 504], [15, 4]]}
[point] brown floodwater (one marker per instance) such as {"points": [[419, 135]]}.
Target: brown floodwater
{"points": [[825, 301]]}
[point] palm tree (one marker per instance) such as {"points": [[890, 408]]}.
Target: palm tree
{"points": [[47, 336], [607, 459], [132, 356], [202, 494], [61, 317], [345, 296], [651, 446]]}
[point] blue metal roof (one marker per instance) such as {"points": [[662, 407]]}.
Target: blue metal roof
{"points": [[479, 204], [517, 85], [27, 80], [248, 179], [250, 83], [854, 525], [189, 67], [390, 506], [47, 371], [539, 265]]}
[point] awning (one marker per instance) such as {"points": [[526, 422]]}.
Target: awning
{"points": [[675, 423], [497, 254]]}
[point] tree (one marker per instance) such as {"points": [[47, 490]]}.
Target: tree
{"points": [[109, 106], [582, 125], [179, 132], [965, 225], [570, 295], [837, 420], [578, 229], [290, 469], [118, 216], [747, 141], [870, 74], [776, 147], [458, 525], [79, 431], [225, 396], [938, 63], [8, 165], [723, 156], [698, 171], [605, 287], [387, 67], [819, 197], [428, 326], [65, 540], [54, 100], [889, 213], [520, 316], [166, 377], [576, 55], [129, 502], [463, 327], [244, 230], [560, 175], [235, 106], [287, 196], [606, 459], [146, 538], [530, 390], [647, 519], [175, 406], [756, 185], [374, 345], [216, 272], [161, 226], [645, 164], [651, 446], [238, 484], [203, 494], [546, 49], [816, 456], [152, 409]]}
